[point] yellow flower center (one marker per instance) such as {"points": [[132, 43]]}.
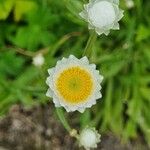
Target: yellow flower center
{"points": [[74, 85]]}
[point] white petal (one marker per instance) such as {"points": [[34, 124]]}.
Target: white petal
{"points": [[120, 14], [85, 60], [93, 102], [91, 1], [93, 66], [101, 78], [48, 80], [73, 57], [106, 32], [98, 95], [64, 59], [81, 110], [116, 2], [99, 31], [83, 14], [86, 6], [116, 26], [56, 101], [51, 70], [49, 93], [90, 26]]}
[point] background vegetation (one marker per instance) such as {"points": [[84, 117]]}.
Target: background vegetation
{"points": [[53, 28]]}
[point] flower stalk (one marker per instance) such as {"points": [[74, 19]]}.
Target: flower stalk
{"points": [[89, 45], [61, 116]]}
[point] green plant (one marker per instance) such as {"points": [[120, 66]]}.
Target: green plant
{"points": [[123, 59]]}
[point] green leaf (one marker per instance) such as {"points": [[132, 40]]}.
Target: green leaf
{"points": [[145, 92], [10, 63], [107, 105], [5, 8], [130, 130], [110, 69], [22, 7], [116, 122], [143, 33], [146, 52]]}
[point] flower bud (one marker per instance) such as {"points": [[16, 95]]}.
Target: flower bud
{"points": [[89, 138], [102, 15]]}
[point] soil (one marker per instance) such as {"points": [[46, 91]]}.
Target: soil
{"points": [[38, 128]]}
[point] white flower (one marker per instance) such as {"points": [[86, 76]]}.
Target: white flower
{"points": [[74, 84], [89, 138], [129, 3], [102, 15], [38, 60]]}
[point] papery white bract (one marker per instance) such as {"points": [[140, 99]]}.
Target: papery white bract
{"points": [[102, 15], [74, 84], [89, 138]]}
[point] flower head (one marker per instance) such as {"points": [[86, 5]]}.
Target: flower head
{"points": [[89, 138], [74, 84], [38, 60], [102, 15]]}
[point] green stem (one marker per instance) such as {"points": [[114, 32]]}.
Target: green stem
{"points": [[96, 120], [61, 116], [91, 41]]}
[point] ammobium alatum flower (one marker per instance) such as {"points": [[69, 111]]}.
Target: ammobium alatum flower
{"points": [[89, 138], [74, 84], [102, 15]]}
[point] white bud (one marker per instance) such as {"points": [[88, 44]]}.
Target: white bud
{"points": [[89, 138], [38, 60], [129, 3], [102, 15]]}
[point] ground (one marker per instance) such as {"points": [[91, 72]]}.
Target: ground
{"points": [[38, 128]]}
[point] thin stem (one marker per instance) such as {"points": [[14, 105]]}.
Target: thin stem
{"points": [[88, 50], [91, 41], [61, 116], [46, 50], [96, 120]]}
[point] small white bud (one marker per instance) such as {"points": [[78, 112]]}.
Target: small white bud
{"points": [[129, 4], [89, 138], [38, 60]]}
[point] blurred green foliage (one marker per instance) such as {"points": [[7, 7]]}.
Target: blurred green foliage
{"points": [[54, 28]]}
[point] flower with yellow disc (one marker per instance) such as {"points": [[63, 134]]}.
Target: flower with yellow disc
{"points": [[74, 84]]}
